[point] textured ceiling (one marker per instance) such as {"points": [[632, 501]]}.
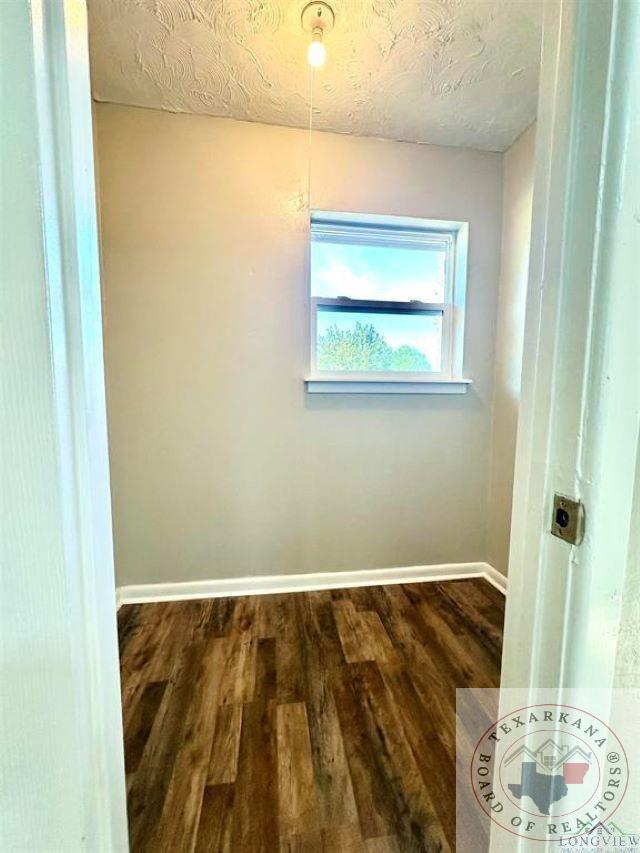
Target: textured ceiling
{"points": [[450, 72]]}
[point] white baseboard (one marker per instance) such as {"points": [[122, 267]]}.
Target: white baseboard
{"points": [[496, 578], [265, 584]]}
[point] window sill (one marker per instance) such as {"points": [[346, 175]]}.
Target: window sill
{"points": [[343, 385]]}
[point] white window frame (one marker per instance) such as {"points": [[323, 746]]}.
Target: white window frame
{"points": [[373, 229]]}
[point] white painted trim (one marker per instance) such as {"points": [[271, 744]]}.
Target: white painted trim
{"points": [[496, 578], [344, 385], [350, 226], [266, 584], [578, 420], [416, 223], [65, 758]]}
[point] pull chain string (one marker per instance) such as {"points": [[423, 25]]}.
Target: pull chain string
{"points": [[311, 82], [308, 242]]}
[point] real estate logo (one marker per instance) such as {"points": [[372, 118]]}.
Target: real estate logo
{"points": [[601, 835], [549, 771]]}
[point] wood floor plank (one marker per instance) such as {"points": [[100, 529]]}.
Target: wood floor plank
{"points": [[306, 842], [298, 811], [214, 826], [431, 751], [180, 625], [413, 817], [461, 656], [128, 626], [318, 632], [139, 728], [254, 823], [150, 782], [181, 809], [222, 615], [238, 671], [343, 839], [266, 678], [223, 760], [290, 672], [321, 722], [377, 640], [265, 624], [359, 596], [141, 658], [405, 627], [321, 655], [386, 844], [355, 639], [237, 675], [339, 839], [479, 611], [374, 809]]}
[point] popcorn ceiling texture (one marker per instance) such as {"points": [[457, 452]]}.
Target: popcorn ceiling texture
{"points": [[446, 72]]}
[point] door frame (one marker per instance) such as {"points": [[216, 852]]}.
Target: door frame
{"points": [[579, 418], [68, 787]]}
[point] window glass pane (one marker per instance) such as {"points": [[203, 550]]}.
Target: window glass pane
{"points": [[363, 341], [386, 272]]}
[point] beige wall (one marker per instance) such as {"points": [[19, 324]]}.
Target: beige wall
{"points": [[516, 234], [221, 464]]}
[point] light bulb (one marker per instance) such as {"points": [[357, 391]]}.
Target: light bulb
{"points": [[316, 52]]}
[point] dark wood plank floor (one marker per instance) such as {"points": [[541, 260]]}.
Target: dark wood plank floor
{"points": [[321, 721]]}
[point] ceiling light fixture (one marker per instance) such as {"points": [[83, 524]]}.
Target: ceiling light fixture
{"points": [[318, 19], [316, 52]]}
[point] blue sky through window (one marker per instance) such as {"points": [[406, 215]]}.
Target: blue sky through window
{"points": [[393, 273]]}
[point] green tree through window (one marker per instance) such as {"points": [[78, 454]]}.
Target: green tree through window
{"points": [[364, 348], [409, 358]]}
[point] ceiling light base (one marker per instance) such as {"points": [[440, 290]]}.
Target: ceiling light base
{"points": [[318, 15]]}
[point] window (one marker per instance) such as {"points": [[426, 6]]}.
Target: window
{"points": [[387, 303]]}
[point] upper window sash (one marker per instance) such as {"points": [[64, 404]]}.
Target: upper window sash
{"points": [[329, 230]]}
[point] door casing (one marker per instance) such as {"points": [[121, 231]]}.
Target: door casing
{"points": [[579, 420], [64, 783]]}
